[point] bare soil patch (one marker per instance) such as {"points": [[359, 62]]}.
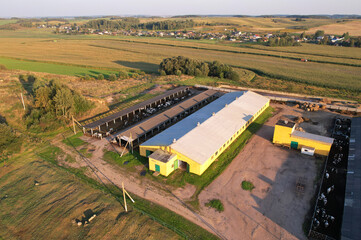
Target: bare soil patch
{"points": [[273, 209]]}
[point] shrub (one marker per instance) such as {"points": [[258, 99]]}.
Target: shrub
{"points": [[22, 77], [232, 75], [216, 204], [3, 67], [135, 75], [178, 72], [162, 73], [112, 77], [248, 186], [31, 78], [198, 73], [87, 77], [100, 76], [123, 75]]}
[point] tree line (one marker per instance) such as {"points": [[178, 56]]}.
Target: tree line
{"points": [[183, 65], [282, 40], [133, 23]]}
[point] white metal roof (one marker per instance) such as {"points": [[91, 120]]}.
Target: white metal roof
{"points": [[312, 136], [181, 128], [204, 140], [201, 142]]}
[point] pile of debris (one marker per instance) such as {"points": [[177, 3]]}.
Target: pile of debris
{"points": [[311, 107]]}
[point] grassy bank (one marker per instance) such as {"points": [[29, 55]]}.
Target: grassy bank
{"points": [[161, 215]]}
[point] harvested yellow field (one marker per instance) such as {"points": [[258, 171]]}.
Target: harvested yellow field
{"points": [[353, 27]]}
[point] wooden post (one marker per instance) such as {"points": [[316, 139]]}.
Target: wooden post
{"points": [[72, 117], [22, 100], [125, 201], [129, 196], [131, 143]]}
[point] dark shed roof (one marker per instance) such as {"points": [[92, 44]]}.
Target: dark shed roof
{"points": [[351, 222], [133, 108]]}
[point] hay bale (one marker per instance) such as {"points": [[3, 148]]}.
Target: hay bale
{"points": [[92, 217]]}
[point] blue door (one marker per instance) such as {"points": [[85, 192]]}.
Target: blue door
{"points": [[157, 168], [294, 145]]}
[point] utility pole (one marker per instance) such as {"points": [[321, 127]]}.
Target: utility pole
{"points": [[125, 201], [22, 100]]}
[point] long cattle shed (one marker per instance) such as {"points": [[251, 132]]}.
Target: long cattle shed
{"points": [[351, 222], [195, 142], [145, 129], [118, 118]]}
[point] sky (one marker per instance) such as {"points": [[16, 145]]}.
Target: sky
{"points": [[45, 8]]}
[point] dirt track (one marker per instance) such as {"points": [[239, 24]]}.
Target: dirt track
{"points": [[271, 211]]}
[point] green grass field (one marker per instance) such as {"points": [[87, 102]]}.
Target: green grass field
{"points": [[7, 21], [52, 68]]}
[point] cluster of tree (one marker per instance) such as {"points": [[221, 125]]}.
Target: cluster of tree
{"points": [[183, 65], [299, 19], [54, 102], [168, 25], [133, 23], [104, 24], [282, 40]]}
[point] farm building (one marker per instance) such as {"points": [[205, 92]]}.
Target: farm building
{"points": [[155, 124], [195, 142], [121, 118], [286, 135]]}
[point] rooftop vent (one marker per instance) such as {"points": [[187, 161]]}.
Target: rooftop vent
{"points": [[213, 113], [198, 123], [174, 140]]}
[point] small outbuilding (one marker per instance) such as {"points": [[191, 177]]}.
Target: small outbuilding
{"points": [[286, 135]]}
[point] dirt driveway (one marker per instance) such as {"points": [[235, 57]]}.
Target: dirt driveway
{"points": [[272, 210]]}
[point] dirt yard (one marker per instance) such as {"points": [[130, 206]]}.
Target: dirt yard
{"points": [[273, 209]]}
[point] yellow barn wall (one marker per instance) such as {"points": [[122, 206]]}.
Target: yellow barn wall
{"points": [[282, 135], [320, 147], [195, 167], [165, 168]]}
